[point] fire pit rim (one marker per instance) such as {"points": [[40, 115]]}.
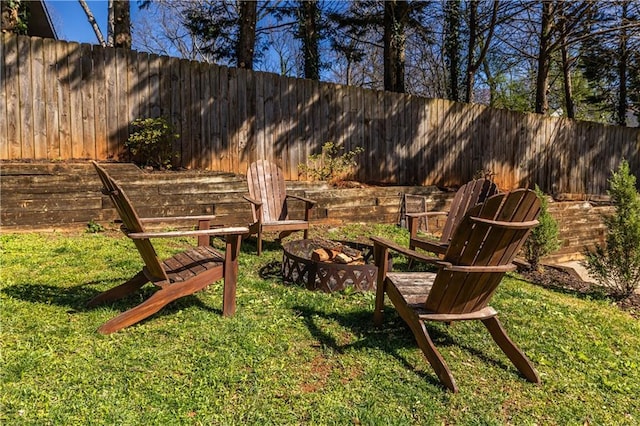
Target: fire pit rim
{"points": [[326, 276]]}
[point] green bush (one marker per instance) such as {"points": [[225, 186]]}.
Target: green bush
{"points": [[151, 143], [616, 265], [544, 237], [330, 165], [94, 227]]}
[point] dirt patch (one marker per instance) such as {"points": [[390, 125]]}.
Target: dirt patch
{"points": [[561, 280]]}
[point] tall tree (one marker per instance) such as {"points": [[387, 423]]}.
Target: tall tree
{"points": [[121, 29], [364, 23], [453, 46], [544, 58], [245, 47], [396, 16], [309, 34], [561, 24], [478, 39], [610, 60], [302, 19], [227, 30]]}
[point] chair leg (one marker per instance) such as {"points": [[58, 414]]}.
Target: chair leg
{"points": [[259, 238], [284, 234], [433, 356], [231, 253], [517, 357], [422, 337], [156, 302], [120, 291]]}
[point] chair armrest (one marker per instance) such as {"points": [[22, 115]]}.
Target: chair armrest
{"points": [[175, 218], [432, 246], [412, 254], [252, 201], [498, 268], [172, 234], [423, 214], [299, 198]]}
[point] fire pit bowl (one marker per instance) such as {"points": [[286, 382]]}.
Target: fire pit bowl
{"points": [[298, 267]]}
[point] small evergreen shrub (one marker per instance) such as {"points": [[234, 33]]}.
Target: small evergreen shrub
{"points": [[616, 265], [94, 227], [151, 143], [543, 239], [331, 165]]}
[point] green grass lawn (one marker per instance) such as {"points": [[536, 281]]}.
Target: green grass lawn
{"points": [[289, 355]]}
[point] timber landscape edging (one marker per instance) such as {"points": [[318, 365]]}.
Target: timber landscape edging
{"points": [[38, 196]]}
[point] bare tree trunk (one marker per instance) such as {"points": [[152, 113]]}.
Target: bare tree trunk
{"points": [[544, 59], [568, 91], [110, 23], [122, 24], [452, 46], [247, 34], [623, 58], [92, 21], [473, 66], [566, 65], [395, 18], [309, 36], [473, 25]]}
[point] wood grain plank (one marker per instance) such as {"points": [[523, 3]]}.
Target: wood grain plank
{"points": [[207, 118], [100, 89], [25, 90], [111, 128], [216, 107], [51, 100], [39, 99], [88, 102], [186, 151], [11, 147], [3, 99], [224, 153], [121, 129], [174, 110]]}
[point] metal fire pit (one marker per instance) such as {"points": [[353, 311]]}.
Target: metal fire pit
{"points": [[298, 268]]}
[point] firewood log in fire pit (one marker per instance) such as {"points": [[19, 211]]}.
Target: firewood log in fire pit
{"points": [[333, 251]]}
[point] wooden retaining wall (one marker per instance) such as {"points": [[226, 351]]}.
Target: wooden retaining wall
{"points": [[57, 196]]}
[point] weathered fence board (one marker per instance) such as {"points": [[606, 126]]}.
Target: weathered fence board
{"points": [[75, 101]]}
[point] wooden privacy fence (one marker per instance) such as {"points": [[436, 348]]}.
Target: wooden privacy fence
{"points": [[75, 101]]}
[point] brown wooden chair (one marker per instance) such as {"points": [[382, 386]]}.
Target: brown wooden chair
{"points": [[181, 275], [268, 198], [481, 252], [469, 194]]}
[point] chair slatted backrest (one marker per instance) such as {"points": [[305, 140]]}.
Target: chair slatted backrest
{"points": [[480, 241], [469, 194], [131, 223], [266, 184]]}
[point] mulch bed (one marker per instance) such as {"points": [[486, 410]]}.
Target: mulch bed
{"points": [[560, 280]]}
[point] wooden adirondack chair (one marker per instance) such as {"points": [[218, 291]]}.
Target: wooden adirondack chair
{"points": [[481, 252], [179, 276], [469, 194], [268, 198]]}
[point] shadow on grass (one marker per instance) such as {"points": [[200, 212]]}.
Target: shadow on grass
{"points": [[390, 338], [75, 298]]}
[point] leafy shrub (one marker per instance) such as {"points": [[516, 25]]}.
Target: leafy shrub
{"points": [[616, 265], [151, 142], [94, 227], [331, 165], [544, 237]]}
